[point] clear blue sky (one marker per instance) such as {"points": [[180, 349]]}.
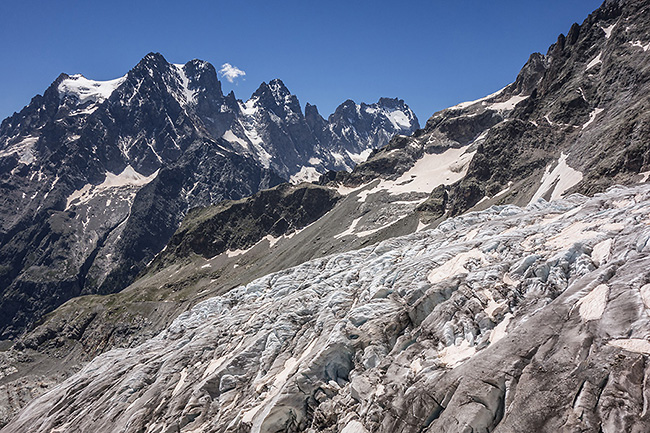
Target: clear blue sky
{"points": [[433, 54]]}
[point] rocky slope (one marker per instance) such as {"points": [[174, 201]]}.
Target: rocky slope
{"points": [[509, 319], [95, 177], [235, 227], [575, 119]]}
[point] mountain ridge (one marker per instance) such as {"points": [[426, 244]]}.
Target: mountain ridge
{"points": [[170, 124]]}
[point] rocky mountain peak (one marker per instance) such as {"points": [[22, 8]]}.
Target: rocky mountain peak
{"points": [[276, 97], [202, 75], [315, 121], [530, 75], [97, 167], [347, 106], [465, 283], [152, 61], [311, 110], [391, 102], [279, 90]]}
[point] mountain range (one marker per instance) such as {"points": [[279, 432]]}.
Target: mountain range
{"points": [[96, 176], [487, 272]]}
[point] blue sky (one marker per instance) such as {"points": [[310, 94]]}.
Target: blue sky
{"points": [[433, 54]]}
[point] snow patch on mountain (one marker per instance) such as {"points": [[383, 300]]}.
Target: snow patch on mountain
{"points": [[608, 30], [429, 172], [400, 120], [592, 116], [596, 60], [467, 104], [249, 128], [249, 108], [350, 230], [25, 149], [558, 181], [85, 90], [232, 138], [185, 96], [306, 174], [506, 105], [127, 178], [639, 44], [358, 158]]}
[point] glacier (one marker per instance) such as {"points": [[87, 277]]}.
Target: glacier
{"points": [[459, 328]]}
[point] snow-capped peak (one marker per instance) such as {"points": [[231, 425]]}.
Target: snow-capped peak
{"points": [[86, 90], [279, 90], [400, 119]]}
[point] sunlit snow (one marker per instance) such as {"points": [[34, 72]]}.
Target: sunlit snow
{"points": [[86, 90], [506, 105], [427, 173], [358, 158], [559, 180], [128, 177], [594, 62], [25, 148], [592, 117], [466, 104], [306, 174], [608, 30], [187, 96]]}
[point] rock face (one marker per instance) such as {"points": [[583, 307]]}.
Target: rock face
{"points": [[236, 226], [302, 147], [95, 177], [509, 319], [575, 119]]}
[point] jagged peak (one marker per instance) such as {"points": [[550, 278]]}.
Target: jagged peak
{"points": [[275, 93], [62, 76], [155, 63], [275, 89], [276, 85], [153, 58], [200, 64], [530, 75], [390, 101], [394, 110], [311, 109]]}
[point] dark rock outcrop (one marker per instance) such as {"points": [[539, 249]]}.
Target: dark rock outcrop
{"points": [[238, 225]]}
